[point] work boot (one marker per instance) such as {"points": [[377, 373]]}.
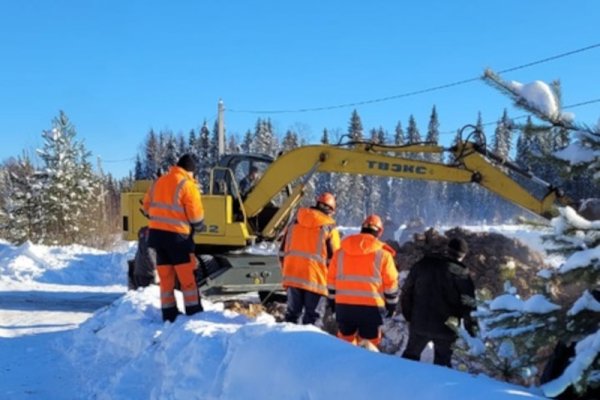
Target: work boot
{"points": [[170, 314], [191, 310]]}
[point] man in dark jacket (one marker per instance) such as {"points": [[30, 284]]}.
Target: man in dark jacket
{"points": [[436, 289]]}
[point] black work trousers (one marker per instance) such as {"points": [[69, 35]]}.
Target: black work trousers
{"points": [[442, 348], [312, 303]]}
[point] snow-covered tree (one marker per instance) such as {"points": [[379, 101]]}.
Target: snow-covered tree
{"points": [[349, 188], [324, 180], [69, 186], [232, 145], [290, 141], [204, 152], [247, 142], [264, 140], [574, 285], [502, 136], [152, 155], [20, 207]]}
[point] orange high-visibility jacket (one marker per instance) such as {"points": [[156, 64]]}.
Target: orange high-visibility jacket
{"points": [[307, 247], [363, 272], [173, 202]]}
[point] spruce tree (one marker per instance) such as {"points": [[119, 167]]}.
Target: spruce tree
{"points": [[69, 185], [247, 143], [138, 169], [152, 155], [434, 192], [397, 186], [205, 153], [232, 146], [349, 188], [324, 180], [290, 141], [414, 190], [20, 208]]}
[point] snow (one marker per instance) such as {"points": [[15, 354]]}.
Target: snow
{"points": [[585, 302], [70, 330], [539, 95], [506, 302], [581, 259], [537, 304], [586, 351], [575, 154]]}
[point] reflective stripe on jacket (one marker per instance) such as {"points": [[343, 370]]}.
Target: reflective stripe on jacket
{"points": [[363, 272], [307, 247], [173, 202]]}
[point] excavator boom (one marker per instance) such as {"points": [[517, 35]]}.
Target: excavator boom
{"points": [[235, 220]]}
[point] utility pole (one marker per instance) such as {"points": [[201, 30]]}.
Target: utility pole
{"points": [[221, 128]]}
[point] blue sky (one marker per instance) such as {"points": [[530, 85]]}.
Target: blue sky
{"points": [[119, 68]]}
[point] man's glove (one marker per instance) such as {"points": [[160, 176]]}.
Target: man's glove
{"points": [[390, 310], [331, 305]]}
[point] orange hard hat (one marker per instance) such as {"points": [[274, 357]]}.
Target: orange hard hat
{"points": [[327, 199], [374, 223]]}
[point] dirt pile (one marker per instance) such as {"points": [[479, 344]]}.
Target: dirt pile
{"points": [[492, 259]]}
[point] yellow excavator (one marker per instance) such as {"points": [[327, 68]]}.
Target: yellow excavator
{"points": [[229, 263]]}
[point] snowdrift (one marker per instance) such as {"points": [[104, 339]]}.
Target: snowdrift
{"points": [[125, 352]]}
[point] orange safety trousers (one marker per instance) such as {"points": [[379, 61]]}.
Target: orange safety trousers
{"points": [[355, 339], [185, 275]]}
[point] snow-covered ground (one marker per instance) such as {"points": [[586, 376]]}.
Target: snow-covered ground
{"points": [[70, 330]]}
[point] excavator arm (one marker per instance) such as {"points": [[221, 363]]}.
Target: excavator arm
{"points": [[233, 221], [471, 166]]}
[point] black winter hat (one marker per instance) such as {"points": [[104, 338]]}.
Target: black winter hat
{"points": [[187, 162], [458, 246]]}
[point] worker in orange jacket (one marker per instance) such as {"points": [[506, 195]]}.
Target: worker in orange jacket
{"points": [[363, 284], [175, 211], [308, 245]]}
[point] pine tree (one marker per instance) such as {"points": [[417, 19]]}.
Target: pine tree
{"points": [[502, 147], [479, 205], [232, 146], [372, 194], [350, 189], [182, 147], [397, 199], [69, 185], [171, 152], [20, 207], [503, 136], [247, 143], [152, 155], [205, 153], [214, 143], [324, 180], [264, 139], [290, 141], [138, 169], [415, 191], [576, 322], [434, 210], [192, 139]]}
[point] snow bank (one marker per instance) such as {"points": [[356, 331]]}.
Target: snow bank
{"points": [[65, 265], [126, 352]]}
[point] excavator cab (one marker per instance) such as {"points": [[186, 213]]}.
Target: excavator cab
{"points": [[226, 178]]}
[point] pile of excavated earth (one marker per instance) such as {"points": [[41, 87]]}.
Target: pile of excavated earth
{"points": [[493, 258]]}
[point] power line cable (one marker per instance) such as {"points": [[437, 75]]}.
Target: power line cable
{"points": [[421, 91]]}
